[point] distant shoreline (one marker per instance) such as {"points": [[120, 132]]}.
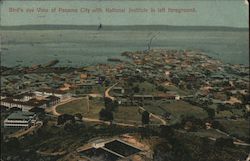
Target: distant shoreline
{"points": [[134, 27]]}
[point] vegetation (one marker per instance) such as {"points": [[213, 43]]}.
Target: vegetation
{"points": [[110, 104], [52, 139], [176, 146], [106, 115], [145, 117], [177, 109], [64, 118], [237, 128], [128, 114], [73, 107], [80, 106]]}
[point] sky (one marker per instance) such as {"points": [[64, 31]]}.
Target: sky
{"points": [[232, 13]]}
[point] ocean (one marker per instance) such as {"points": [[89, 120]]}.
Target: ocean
{"points": [[80, 47]]}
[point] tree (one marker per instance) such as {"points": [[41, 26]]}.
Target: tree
{"points": [[163, 152], [12, 145], [171, 151], [222, 107], [64, 118], [78, 116], [211, 113], [145, 117], [175, 80], [162, 88], [166, 132], [110, 104], [115, 105], [106, 83], [3, 108], [224, 142], [136, 89], [73, 127], [106, 115], [192, 123], [217, 125]]}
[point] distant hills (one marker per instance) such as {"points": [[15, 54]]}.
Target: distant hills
{"points": [[135, 27]]}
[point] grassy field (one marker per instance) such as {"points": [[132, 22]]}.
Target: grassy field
{"points": [[95, 106], [223, 114], [176, 89], [128, 115], [98, 89], [208, 133], [177, 109], [238, 127], [81, 106], [148, 87], [73, 107]]}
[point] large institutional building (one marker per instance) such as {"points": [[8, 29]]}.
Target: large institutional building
{"points": [[20, 119]]}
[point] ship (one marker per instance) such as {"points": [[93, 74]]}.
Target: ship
{"points": [[51, 63], [114, 59], [100, 26]]}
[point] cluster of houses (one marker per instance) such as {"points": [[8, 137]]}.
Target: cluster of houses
{"points": [[42, 98], [124, 99], [187, 70], [27, 101], [80, 80]]}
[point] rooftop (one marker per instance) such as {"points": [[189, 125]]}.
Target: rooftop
{"points": [[111, 151], [20, 115]]}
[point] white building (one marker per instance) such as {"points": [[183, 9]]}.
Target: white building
{"points": [[50, 92], [25, 106], [20, 119], [24, 97]]}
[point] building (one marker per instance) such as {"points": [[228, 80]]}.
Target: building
{"points": [[119, 90], [51, 92], [167, 96], [24, 97], [24, 105], [52, 100], [10, 102], [84, 88], [20, 119]]}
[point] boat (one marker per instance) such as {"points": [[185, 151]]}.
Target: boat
{"points": [[100, 26], [51, 63], [114, 59]]}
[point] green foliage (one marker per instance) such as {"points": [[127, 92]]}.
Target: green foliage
{"points": [[64, 118], [210, 112], [78, 116], [12, 145], [191, 123], [145, 117], [74, 127], [224, 142], [110, 104], [136, 89], [106, 115]]}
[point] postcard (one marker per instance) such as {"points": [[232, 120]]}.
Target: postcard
{"points": [[124, 80]]}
